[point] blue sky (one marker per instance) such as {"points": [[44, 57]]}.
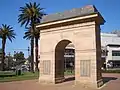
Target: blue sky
{"points": [[9, 11]]}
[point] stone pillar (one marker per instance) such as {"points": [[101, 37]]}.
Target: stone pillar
{"points": [[98, 55], [88, 56], [47, 68], [46, 61]]}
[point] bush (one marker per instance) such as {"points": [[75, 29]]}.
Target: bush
{"points": [[111, 71], [7, 74]]}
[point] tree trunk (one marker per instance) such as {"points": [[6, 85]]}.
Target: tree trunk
{"points": [[3, 53], [32, 45], [32, 54], [36, 53]]}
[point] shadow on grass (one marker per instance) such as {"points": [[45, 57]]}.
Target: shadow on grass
{"points": [[108, 79], [7, 75]]}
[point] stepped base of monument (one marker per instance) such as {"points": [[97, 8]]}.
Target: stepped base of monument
{"points": [[92, 84], [51, 81]]}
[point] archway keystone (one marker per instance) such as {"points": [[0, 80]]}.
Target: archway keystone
{"points": [[82, 28]]}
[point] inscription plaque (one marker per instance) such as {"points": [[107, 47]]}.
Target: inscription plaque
{"points": [[85, 68], [46, 67]]}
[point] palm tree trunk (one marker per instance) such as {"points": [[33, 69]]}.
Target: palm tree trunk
{"points": [[36, 53], [32, 54], [32, 45], [3, 53]]}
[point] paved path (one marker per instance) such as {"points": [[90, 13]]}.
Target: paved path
{"points": [[112, 82]]}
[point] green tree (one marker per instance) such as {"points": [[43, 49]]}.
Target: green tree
{"points": [[6, 32], [11, 63], [19, 57], [30, 15]]}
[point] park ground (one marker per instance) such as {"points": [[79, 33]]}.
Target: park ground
{"points": [[111, 82]]}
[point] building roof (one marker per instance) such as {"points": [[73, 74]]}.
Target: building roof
{"points": [[89, 9], [70, 46], [109, 35]]}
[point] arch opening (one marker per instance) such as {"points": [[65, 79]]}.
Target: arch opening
{"points": [[64, 61]]}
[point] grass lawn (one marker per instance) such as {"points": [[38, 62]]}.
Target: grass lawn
{"points": [[69, 72], [111, 71], [11, 76]]}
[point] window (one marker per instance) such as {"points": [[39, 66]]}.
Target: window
{"points": [[115, 53], [104, 53], [69, 51]]}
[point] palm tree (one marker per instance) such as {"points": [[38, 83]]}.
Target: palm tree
{"points": [[28, 35], [37, 35], [6, 32], [30, 15]]}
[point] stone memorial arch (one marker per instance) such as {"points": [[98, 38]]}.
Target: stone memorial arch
{"points": [[81, 27]]}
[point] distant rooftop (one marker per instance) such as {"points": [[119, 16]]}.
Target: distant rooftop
{"points": [[109, 35], [89, 9]]}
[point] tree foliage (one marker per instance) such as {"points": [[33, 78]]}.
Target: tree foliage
{"points": [[19, 58], [6, 32], [29, 16]]}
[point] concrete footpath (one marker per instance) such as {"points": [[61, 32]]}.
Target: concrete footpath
{"points": [[111, 82]]}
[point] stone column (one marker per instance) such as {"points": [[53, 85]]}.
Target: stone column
{"points": [[47, 62], [88, 56]]}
